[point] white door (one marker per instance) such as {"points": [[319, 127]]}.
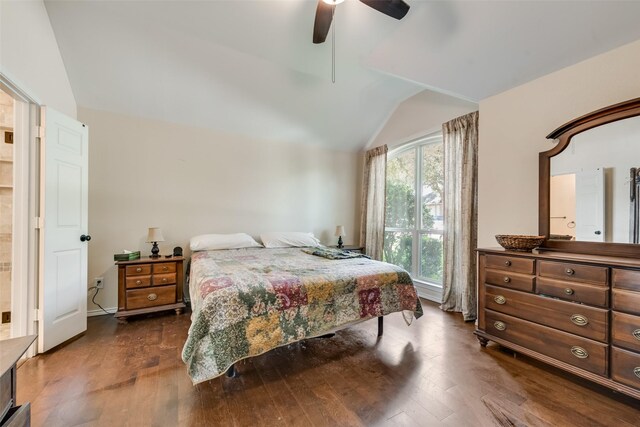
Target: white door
{"points": [[590, 206], [63, 244]]}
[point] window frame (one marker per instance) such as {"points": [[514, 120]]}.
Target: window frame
{"points": [[427, 288]]}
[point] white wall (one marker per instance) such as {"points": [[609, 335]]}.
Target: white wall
{"points": [[189, 181], [513, 126], [422, 114], [29, 54]]}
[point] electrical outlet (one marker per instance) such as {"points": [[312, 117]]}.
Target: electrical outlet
{"points": [[98, 282]]}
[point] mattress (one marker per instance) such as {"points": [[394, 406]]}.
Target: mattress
{"points": [[246, 302]]}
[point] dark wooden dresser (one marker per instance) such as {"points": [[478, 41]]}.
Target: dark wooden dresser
{"points": [[10, 352], [580, 313], [146, 285]]}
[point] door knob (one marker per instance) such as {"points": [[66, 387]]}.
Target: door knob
{"points": [[85, 238], [598, 232]]}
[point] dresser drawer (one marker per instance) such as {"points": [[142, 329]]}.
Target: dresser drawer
{"points": [[578, 319], [625, 330], [625, 367], [138, 281], [510, 280], [165, 267], [626, 279], [573, 272], [163, 279], [151, 297], [573, 291], [138, 270], [577, 351], [627, 301], [507, 263]]}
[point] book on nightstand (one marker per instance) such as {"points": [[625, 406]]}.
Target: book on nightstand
{"points": [[126, 256]]}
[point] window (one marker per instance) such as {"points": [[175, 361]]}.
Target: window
{"points": [[414, 214]]}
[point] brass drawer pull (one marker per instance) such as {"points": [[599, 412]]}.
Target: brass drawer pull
{"points": [[636, 371], [500, 326], [500, 300], [568, 291], [579, 352], [152, 297], [579, 319], [570, 271], [138, 270], [506, 279], [138, 282], [507, 263], [636, 334], [165, 268], [164, 279]]}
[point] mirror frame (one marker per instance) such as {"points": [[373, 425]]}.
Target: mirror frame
{"points": [[563, 134]]}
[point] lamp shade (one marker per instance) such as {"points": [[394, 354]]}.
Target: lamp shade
{"points": [[155, 235], [340, 230]]}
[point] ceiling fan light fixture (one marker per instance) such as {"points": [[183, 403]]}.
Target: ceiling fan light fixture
{"points": [[333, 2]]}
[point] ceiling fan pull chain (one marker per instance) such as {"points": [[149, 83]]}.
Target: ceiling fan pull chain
{"points": [[333, 46]]}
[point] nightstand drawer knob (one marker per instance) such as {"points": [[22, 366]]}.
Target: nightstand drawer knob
{"points": [[507, 263], [500, 300], [152, 297], [636, 371], [165, 268], [570, 271], [568, 291], [138, 270], [500, 326], [636, 334], [138, 282], [164, 280], [506, 279]]}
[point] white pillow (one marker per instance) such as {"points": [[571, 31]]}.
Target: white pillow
{"points": [[288, 239], [210, 242]]}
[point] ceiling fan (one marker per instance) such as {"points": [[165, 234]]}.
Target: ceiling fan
{"points": [[324, 14]]}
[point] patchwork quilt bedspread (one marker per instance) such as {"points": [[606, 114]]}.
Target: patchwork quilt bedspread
{"points": [[248, 301]]}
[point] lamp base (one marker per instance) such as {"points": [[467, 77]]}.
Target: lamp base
{"points": [[155, 250], [340, 245]]}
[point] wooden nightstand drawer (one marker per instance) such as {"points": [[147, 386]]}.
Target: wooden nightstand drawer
{"points": [[165, 267], [626, 279], [138, 281], [508, 263], [151, 297], [573, 272], [138, 270], [163, 279]]}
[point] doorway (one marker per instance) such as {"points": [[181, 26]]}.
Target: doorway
{"points": [[6, 211]]}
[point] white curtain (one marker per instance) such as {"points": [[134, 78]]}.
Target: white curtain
{"points": [[373, 202], [460, 215]]}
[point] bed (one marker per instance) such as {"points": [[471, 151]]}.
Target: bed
{"points": [[246, 302]]}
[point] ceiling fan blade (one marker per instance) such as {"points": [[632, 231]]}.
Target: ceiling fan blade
{"points": [[324, 15], [393, 8]]}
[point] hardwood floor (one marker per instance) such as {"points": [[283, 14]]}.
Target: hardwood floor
{"points": [[431, 373]]}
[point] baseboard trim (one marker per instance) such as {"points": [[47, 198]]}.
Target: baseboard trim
{"points": [[98, 312]]}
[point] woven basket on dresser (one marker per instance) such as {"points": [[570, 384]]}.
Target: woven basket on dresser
{"points": [[516, 242]]}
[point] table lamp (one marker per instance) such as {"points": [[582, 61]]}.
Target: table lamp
{"points": [[340, 233], [155, 236]]}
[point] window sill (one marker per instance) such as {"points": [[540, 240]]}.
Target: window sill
{"points": [[428, 290]]}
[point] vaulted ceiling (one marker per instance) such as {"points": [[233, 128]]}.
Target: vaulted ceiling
{"points": [[249, 67]]}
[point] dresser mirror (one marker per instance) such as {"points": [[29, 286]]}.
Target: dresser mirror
{"points": [[590, 183]]}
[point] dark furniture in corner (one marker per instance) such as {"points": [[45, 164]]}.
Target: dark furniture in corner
{"points": [[11, 351]]}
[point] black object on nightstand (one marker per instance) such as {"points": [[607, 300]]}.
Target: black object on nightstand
{"points": [[351, 248]]}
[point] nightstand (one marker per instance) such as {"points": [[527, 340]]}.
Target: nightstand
{"points": [[147, 285], [351, 248]]}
